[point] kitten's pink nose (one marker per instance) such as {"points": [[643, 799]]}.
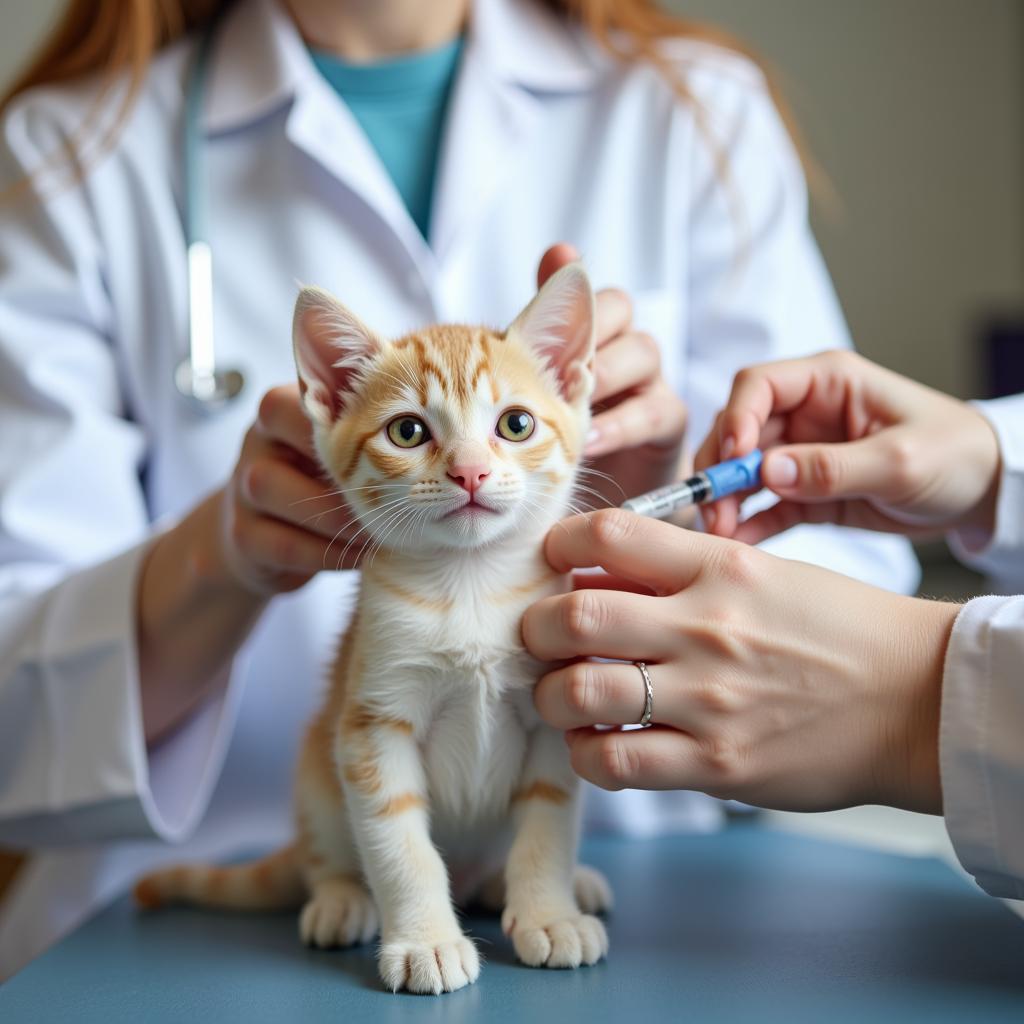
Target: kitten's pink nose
{"points": [[469, 475]]}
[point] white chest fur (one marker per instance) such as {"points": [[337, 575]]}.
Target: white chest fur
{"points": [[441, 648]]}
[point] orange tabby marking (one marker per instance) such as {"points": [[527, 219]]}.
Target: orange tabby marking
{"points": [[541, 790]]}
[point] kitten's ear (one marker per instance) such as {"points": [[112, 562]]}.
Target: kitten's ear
{"points": [[332, 345], [559, 326]]}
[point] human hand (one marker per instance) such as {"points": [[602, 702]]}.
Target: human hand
{"points": [[775, 682], [639, 421], [855, 444], [279, 522]]}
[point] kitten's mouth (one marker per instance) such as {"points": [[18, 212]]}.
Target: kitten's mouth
{"points": [[472, 507]]}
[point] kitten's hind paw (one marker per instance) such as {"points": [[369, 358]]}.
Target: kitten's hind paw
{"points": [[566, 942], [427, 968], [591, 889], [339, 913]]}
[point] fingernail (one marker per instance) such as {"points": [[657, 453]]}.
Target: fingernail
{"points": [[593, 441], [780, 471], [710, 517], [728, 447], [593, 435]]}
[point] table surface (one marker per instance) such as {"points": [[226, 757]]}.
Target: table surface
{"points": [[745, 925]]}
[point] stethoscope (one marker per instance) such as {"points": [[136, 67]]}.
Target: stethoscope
{"points": [[197, 377]]}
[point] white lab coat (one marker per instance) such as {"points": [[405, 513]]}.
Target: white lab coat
{"points": [[981, 740], [546, 140]]}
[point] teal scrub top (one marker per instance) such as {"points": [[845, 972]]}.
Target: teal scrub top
{"points": [[400, 104]]}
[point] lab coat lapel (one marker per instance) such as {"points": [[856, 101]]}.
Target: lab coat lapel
{"points": [[488, 123], [518, 55], [324, 128], [260, 64]]}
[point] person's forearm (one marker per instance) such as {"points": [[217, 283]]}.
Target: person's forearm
{"points": [[192, 617]]}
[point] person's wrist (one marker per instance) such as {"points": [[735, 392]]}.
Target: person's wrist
{"points": [[909, 776], [981, 456], [207, 558]]}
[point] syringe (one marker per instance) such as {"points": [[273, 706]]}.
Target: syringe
{"points": [[709, 485]]}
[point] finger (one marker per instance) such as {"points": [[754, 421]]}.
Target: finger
{"points": [[596, 624], [759, 392], [613, 313], [280, 547], [557, 256], [823, 472], [662, 557], [602, 581], [656, 758], [626, 362], [282, 419], [656, 416], [275, 488], [710, 452], [599, 693]]}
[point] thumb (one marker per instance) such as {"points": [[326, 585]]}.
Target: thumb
{"points": [[819, 472], [556, 257]]}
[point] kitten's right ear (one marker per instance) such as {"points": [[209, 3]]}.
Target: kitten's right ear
{"points": [[332, 346]]}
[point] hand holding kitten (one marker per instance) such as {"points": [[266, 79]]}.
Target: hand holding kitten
{"points": [[639, 422], [280, 521]]}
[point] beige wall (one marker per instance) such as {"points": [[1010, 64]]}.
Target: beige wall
{"points": [[916, 109]]}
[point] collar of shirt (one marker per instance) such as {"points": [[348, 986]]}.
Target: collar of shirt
{"points": [[259, 61]]}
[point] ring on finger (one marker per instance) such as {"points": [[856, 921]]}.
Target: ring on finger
{"points": [[645, 718]]}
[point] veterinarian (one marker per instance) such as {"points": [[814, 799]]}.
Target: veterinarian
{"points": [[787, 686], [163, 614]]}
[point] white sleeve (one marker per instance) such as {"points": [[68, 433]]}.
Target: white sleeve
{"points": [[759, 291], [1000, 555], [73, 530], [981, 743]]}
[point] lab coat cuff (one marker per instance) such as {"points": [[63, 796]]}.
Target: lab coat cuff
{"points": [[1000, 554], [981, 717], [105, 784]]}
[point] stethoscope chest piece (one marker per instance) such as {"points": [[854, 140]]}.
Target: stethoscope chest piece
{"points": [[207, 390]]}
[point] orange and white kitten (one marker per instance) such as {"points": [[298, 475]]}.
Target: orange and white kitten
{"points": [[456, 448]]}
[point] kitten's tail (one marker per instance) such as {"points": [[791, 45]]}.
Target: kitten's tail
{"points": [[273, 883]]}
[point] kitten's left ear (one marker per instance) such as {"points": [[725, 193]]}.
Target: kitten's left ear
{"points": [[332, 346], [559, 326]]}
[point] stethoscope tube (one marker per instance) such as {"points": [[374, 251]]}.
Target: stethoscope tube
{"points": [[197, 377]]}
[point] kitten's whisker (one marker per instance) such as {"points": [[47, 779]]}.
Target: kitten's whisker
{"points": [[381, 511], [344, 490]]}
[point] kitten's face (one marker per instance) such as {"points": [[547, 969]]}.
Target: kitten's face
{"points": [[452, 437]]}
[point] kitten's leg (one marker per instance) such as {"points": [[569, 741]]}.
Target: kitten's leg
{"points": [[340, 911], [541, 913], [422, 947], [590, 887]]}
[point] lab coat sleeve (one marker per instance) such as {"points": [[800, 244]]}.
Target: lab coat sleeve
{"points": [[74, 529], [980, 743], [1000, 555], [758, 291]]}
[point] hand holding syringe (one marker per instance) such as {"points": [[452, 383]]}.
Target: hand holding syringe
{"points": [[713, 483]]}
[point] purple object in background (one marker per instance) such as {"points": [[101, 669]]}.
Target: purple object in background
{"points": [[1003, 342]]}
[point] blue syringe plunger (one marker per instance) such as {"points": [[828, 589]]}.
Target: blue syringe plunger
{"points": [[715, 482]]}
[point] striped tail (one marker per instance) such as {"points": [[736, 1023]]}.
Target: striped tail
{"points": [[273, 883]]}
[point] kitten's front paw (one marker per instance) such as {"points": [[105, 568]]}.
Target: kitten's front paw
{"points": [[339, 913], [567, 941], [427, 967], [591, 889]]}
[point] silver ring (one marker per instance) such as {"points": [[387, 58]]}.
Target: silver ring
{"points": [[645, 718]]}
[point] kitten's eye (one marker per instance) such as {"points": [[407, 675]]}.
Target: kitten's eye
{"points": [[408, 431], [515, 425]]}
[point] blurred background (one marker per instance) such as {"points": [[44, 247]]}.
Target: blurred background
{"points": [[915, 110]]}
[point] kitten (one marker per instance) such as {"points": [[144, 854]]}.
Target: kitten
{"points": [[456, 448]]}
